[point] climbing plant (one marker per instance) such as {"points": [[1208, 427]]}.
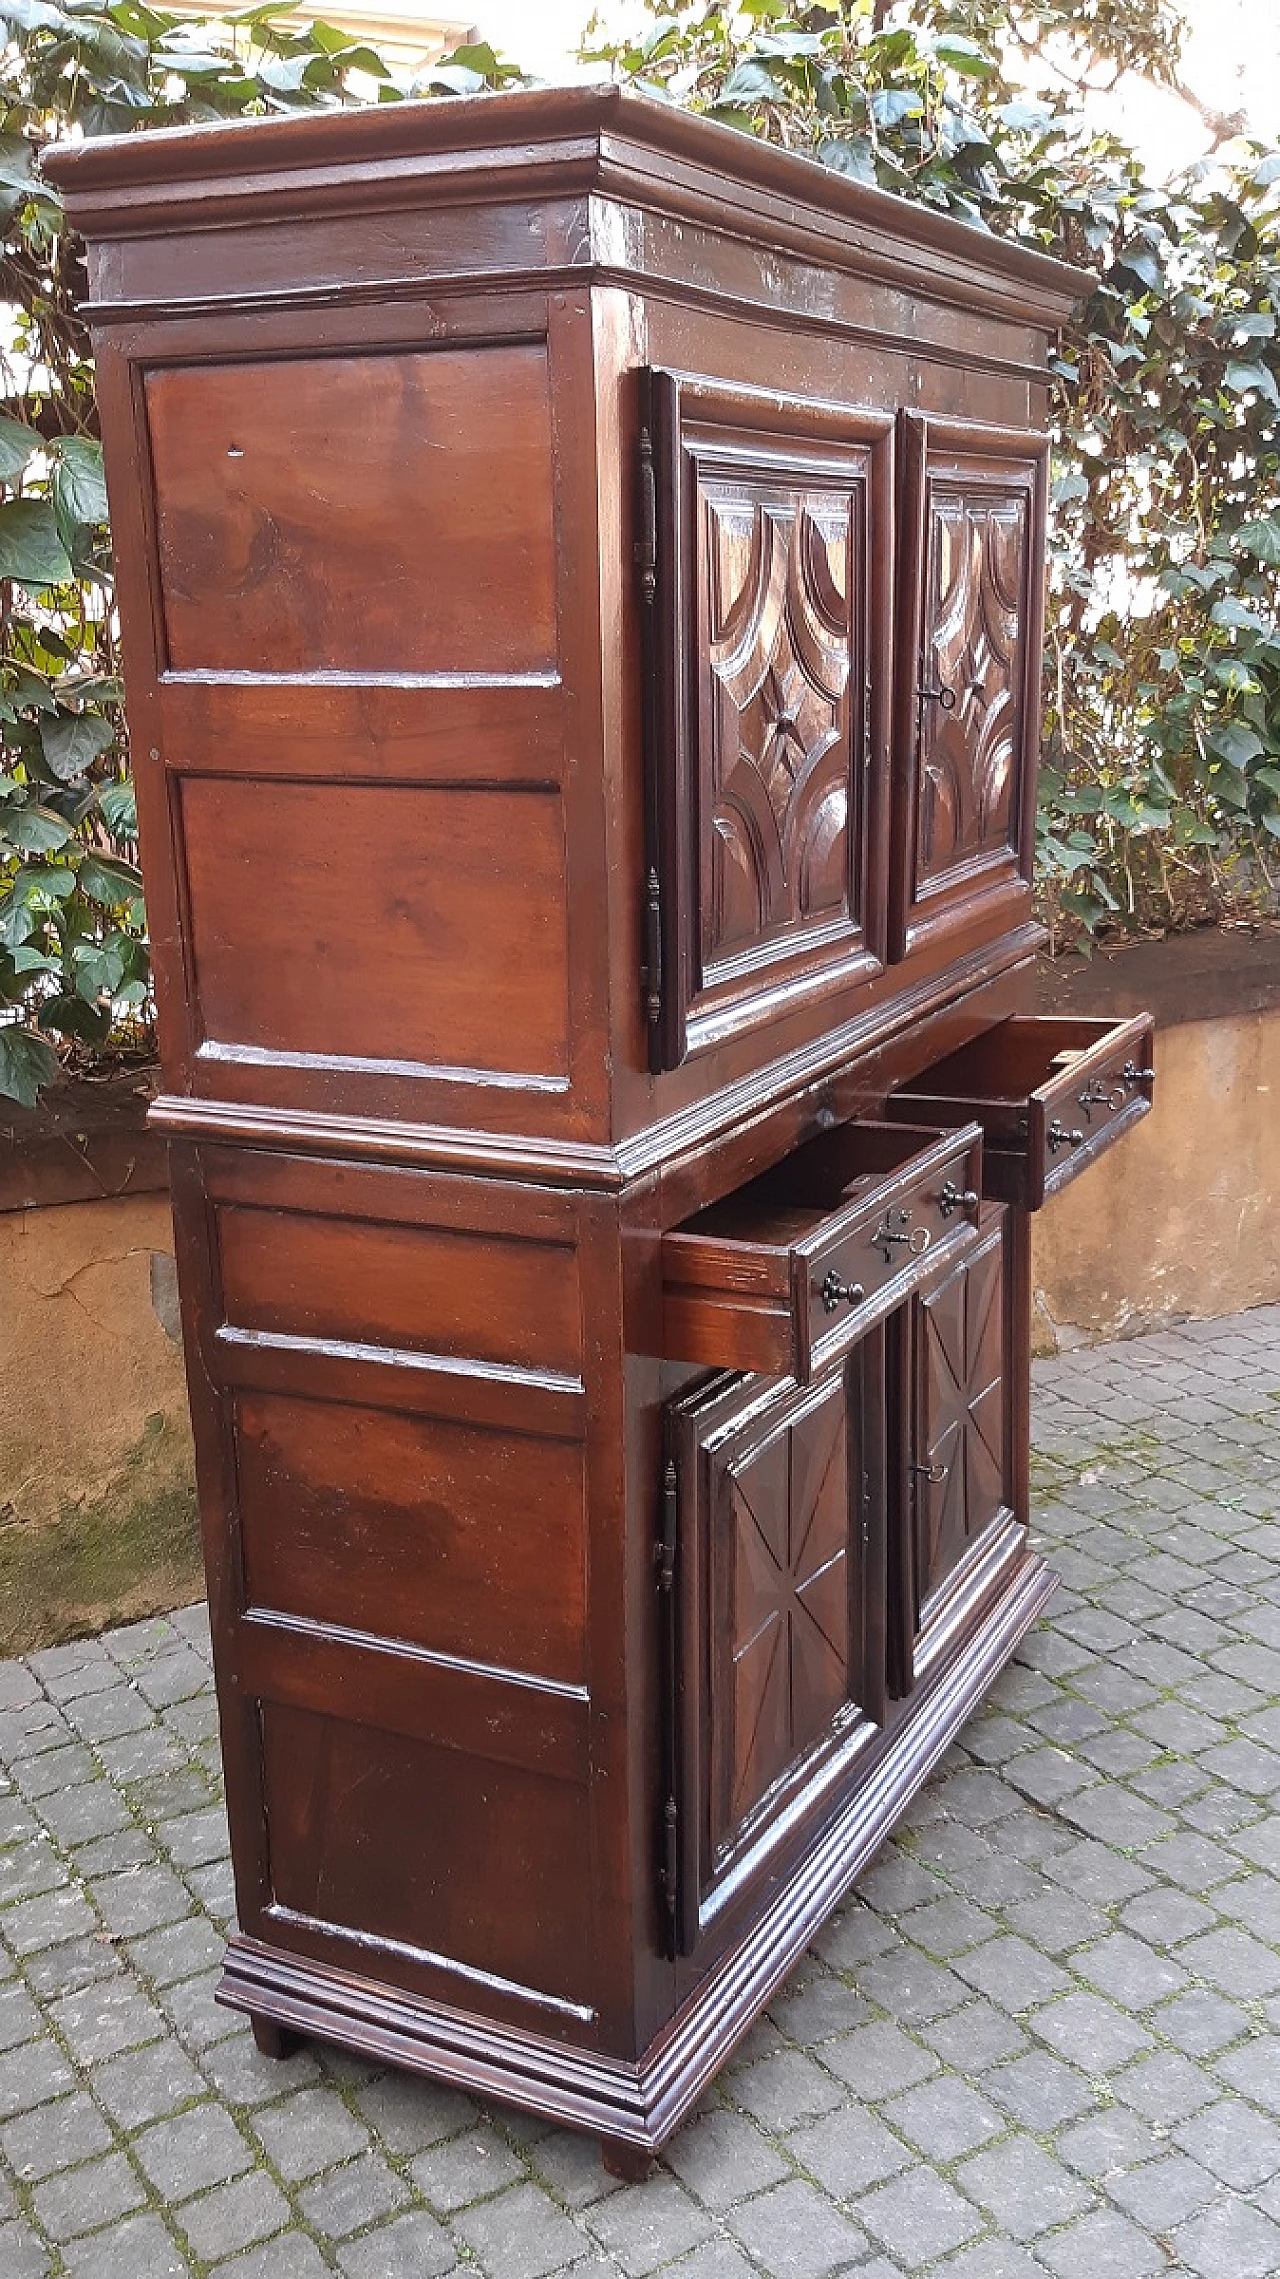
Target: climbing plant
{"points": [[74, 966]]}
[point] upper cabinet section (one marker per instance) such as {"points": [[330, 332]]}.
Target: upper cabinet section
{"points": [[970, 618], [766, 531]]}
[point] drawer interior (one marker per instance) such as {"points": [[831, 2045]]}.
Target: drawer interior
{"points": [[783, 1205], [1010, 1062]]}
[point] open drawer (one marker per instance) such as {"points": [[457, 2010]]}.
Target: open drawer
{"points": [[1050, 1093], [787, 1272]]}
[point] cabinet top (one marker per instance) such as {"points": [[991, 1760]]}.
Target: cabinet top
{"points": [[542, 144]]}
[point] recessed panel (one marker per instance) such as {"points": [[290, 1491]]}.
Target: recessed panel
{"points": [[456, 1858], [387, 513], [466, 1542], [409, 926], [417, 1289]]}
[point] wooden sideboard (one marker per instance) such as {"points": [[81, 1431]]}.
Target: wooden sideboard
{"points": [[581, 577]]}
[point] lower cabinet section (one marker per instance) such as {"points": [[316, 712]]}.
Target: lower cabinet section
{"points": [[834, 1543]]}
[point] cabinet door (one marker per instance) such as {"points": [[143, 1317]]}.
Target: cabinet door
{"points": [[967, 715], [767, 712], [958, 1525], [780, 1645]]}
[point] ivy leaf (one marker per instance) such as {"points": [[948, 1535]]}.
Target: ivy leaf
{"points": [[73, 741], [79, 486], [17, 442], [852, 155], [963, 55], [35, 830], [26, 1064], [108, 881], [31, 552], [119, 808], [891, 105], [1236, 743], [72, 1017], [750, 82], [17, 177], [1252, 379], [1261, 538]]}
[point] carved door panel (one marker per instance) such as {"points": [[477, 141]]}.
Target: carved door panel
{"points": [[781, 1648], [958, 1509], [967, 718], [768, 623]]}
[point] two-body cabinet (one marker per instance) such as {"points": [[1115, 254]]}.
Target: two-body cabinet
{"points": [[581, 582]]}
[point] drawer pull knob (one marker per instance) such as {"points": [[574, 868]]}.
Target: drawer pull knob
{"points": [[1132, 1074], [836, 1293], [895, 1228], [1057, 1137], [1100, 1095], [955, 1198], [935, 1474]]}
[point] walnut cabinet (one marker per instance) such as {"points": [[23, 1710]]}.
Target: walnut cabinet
{"points": [[581, 581]]}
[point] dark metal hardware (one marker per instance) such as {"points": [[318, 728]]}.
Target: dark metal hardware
{"points": [[1101, 1095], [835, 1292], [954, 1198], [1132, 1074], [646, 548], [1057, 1137], [944, 698], [652, 947], [935, 1474], [895, 1228], [665, 1560]]}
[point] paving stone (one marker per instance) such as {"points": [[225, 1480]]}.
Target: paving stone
{"points": [[1055, 1922], [1235, 1962], [794, 2233], [1129, 1971], [722, 2156], [974, 2038], [140, 2249], [101, 2020], [919, 2217], [1234, 2142], [307, 2132], [414, 2247], [1040, 2091], [290, 2258], [1012, 1973], [1106, 2144], [234, 2216], [646, 2225], [469, 2167], [1163, 2193], [1085, 2023], [1230, 2241], [352, 2197], [1106, 2246], [814, 2008], [943, 2118], [53, 2137], [1023, 2187], [875, 2060], [519, 2235], [788, 2087], [82, 2199], [1165, 2087], [191, 2151]]}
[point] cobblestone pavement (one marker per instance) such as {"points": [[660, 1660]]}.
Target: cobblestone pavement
{"points": [[1042, 2040]]}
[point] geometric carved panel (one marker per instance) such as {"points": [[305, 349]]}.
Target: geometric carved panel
{"points": [[974, 628], [962, 1419], [776, 669], [782, 1522]]}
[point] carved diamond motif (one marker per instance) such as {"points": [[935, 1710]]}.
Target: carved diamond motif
{"points": [[973, 648], [788, 1509], [775, 726], [964, 1413]]}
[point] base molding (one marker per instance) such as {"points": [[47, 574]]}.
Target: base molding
{"points": [[640, 2104]]}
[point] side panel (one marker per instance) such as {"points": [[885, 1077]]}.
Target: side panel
{"points": [[395, 1446]]}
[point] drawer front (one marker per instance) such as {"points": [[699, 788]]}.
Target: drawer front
{"points": [[1051, 1093], [1083, 1110], [856, 1275]]}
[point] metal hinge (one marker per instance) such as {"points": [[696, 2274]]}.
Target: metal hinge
{"points": [[652, 960], [665, 1560], [646, 560], [646, 548]]}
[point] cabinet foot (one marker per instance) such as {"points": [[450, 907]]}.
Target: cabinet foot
{"points": [[631, 2162], [274, 2040]]}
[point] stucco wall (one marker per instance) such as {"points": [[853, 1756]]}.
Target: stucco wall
{"points": [[97, 1506], [1183, 1217]]}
